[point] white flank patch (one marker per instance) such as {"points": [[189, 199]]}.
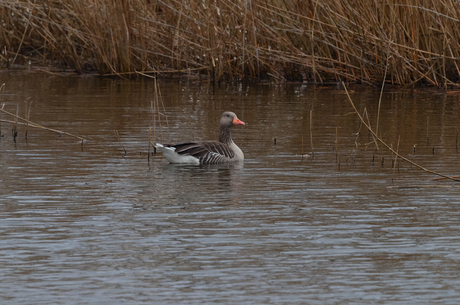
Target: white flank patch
{"points": [[173, 157]]}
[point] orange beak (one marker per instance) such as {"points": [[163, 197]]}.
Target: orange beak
{"points": [[237, 122]]}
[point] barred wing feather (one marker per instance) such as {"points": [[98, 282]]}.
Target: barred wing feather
{"points": [[206, 152]]}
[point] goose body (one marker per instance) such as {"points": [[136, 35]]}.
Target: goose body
{"points": [[209, 152]]}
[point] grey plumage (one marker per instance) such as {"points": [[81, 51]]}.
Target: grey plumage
{"points": [[209, 152]]}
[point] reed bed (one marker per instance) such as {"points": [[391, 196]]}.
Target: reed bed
{"points": [[397, 41]]}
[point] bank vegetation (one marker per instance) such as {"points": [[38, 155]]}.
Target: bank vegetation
{"points": [[399, 41]]}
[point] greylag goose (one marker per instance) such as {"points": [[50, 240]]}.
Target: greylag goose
{"points": [[207, 152]]}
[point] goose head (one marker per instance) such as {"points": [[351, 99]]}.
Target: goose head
{"points": [[228, 119]]}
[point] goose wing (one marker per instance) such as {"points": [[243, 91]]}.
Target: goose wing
{"points": [[206, 152]]}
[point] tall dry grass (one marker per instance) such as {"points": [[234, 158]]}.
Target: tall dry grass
{"points": [[409, 41]]}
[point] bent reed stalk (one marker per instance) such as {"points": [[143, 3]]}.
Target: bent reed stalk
{"points": [[411, 41], [28, 123], [396, 153]]}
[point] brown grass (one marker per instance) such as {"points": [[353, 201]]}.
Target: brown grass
{"points": [[412, 41]]}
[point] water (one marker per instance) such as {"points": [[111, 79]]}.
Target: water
{"points": [[87, 224]]}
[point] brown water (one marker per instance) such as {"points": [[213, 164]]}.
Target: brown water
{"points": [[89, 225]]}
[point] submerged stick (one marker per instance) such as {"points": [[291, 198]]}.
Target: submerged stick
{"points": [[27, 113], [311, 133], [456, 142], [396, 158], [156, 115], [388, 147], [148, 148], [442, 178], [118, 139], [359, 131], [380, 99], [160, 99], [35, 125], [369, 124], [302, 146], [14, 129], [337, 156], [158, 110], [427, 127]]}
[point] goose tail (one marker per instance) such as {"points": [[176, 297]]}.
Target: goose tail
{"points": [[173, 157]]}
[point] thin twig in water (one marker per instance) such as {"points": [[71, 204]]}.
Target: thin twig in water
{"points": [[337, 156], [118, 139], [427, 127], [28, 106], [388, 147], [456, 142], [2, 89], [443, 178], [396, 158], [359, 131], [160, 99], [373, 138], [155, 107], [302, 148], [35, 125], [311, 133], [380, 99], [14, 129]]}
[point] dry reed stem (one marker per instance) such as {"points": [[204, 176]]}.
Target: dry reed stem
{"points": [[380, 100], [337, 155], [396, 157], [117, 135], [14, 130], [388, 147], [302, 148], [311, 134], [427, 129], [443, 178], [456, 142], [27, 114], [369, 123], [157, 107], [156, 114], [35, 125]]}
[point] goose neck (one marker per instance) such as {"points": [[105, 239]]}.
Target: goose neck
{"points": [[225, 135]]}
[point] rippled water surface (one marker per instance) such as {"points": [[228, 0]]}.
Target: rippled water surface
{"points": [[87, 224]]}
